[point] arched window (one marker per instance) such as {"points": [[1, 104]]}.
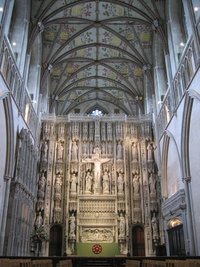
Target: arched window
{"points": [[2, 3], [18, 32], [97, 112], [196, 8], [179, 30]]}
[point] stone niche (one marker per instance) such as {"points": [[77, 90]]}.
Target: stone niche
{"points": [[97, 173]]}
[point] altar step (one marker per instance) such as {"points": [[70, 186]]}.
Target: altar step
{"points": [[100, 263], [97, 263]]}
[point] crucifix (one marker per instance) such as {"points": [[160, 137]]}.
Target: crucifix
{"points": [[97, 168]]}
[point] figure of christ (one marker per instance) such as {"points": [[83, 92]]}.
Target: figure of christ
{"points": [[97, 169]]}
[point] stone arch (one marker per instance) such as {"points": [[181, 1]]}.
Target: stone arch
{"points": [[164, 164], [169, 139], [185, 135], [9, 164], [10, 137], [189, 177]]}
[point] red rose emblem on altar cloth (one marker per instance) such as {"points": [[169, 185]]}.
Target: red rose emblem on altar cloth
{"points": [[96, 249]]}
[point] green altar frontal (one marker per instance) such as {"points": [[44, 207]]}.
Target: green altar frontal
{"points": [[97, 249]]}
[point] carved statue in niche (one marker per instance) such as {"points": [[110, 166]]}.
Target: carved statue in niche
{"points": [[73, 183], [74, 151], [60, 150], [154, 224], [44, 150], [120, 183], [41, 191], [113, 180], [150, 149], [57, 197], [119, 150], [58, 184], [122, 225], [106, 182], [136, 183], [39, 220], [72, 226], [41, 185], [134, 151], [88, 182], [152, 183]]}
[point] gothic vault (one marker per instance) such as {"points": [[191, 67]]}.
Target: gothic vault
{"points": [[99, 126]]}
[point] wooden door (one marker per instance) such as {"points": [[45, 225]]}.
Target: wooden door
{"points": [[55, 244], [176, 241], [138, 243]]}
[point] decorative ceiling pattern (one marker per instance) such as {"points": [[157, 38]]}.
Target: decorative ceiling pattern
{"points": [[97, 51]]}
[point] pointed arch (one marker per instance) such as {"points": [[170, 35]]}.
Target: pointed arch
{"points": [[186, 131], [165, 154]]}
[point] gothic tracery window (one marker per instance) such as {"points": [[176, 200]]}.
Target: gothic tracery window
{"points": [[97, 112]]}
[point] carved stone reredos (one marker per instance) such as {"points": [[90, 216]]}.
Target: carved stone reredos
{"points": [[105, 170]]}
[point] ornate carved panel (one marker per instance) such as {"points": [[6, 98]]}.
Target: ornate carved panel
{"points": [[107, 180]]}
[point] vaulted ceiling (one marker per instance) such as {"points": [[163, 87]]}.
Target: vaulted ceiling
{"points": [[96, 54]]}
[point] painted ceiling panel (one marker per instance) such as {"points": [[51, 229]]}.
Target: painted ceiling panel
{"points": [[112, 10], [96, 50], [84, 53], [56, 36], [138, 35]]}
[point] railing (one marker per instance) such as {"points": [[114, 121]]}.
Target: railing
{"points": [[153, 263], [96, 261], [164, 262], [133, 263], [65, 263], [182, 79], [15, 84], [26, 263], [185, 72], [41, 263], [165, 114]]}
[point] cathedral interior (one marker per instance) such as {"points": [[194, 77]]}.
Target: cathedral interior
{"points": [[99, 126]]}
